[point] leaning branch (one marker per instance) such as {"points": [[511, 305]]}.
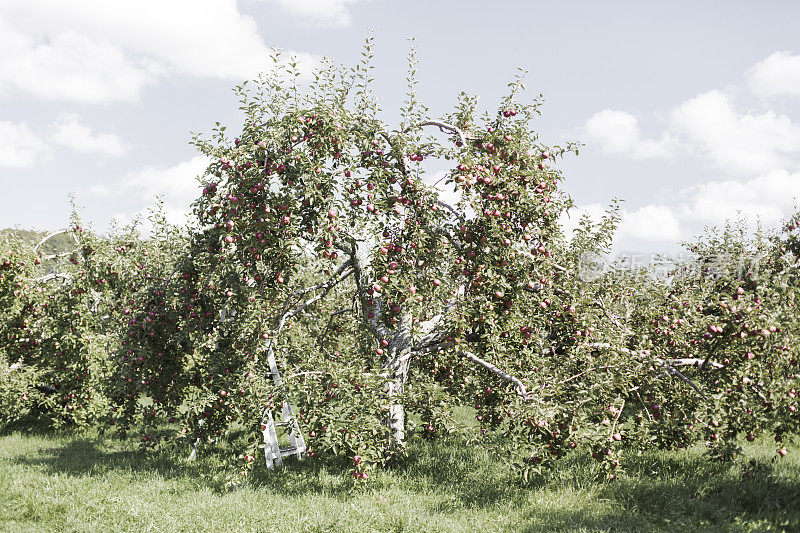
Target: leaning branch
{"points": [[306, 290], [59, 232], [330, 321], [443, 126], [599, 303], [681, 361], [48, 277], [519, 387], [452, 209], [326, 288], [668, 364]]}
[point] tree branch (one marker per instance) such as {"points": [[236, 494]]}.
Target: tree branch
{"points": [[576, 376], [330, 321], [48, 277], [452, 209], [668, 363], [59, 232], [443, 126], [378, 331], [326, 288], [301, 292], [613, 319], [519, 387]]}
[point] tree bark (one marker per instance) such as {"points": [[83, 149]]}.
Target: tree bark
{"points": [[396, 366]]}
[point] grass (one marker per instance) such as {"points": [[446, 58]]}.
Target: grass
{"points": [[85, 482]]}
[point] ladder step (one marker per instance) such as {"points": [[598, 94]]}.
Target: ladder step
{"points": [[292, 450], [286, 452]]}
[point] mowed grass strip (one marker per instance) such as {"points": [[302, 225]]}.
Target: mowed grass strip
{"points": [[84, 482]]}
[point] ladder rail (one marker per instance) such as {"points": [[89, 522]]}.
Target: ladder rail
{"points": [[273, 452]]}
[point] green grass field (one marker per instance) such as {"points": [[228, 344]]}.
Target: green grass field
{"points": [[84, 482]]}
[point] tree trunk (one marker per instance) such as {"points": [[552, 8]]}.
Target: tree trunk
{"points": [[396, 366]]}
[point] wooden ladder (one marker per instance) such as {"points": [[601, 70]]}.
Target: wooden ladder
{"points": [[273, 453]]}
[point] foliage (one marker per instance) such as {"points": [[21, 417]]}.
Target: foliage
{"points": [[321, 242]]}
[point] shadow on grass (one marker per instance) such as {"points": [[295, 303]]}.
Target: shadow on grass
{"points": [[31, 425], [691, 486], [660, 491], [84, 455], [669, 492]]}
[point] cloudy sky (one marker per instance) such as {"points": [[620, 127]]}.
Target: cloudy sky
{"points": [[690, 111]]}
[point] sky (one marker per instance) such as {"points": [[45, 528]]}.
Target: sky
{"points": [[688, 111]]}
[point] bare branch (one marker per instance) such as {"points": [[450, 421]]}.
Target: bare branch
{"points": [[674, 371], [452, 209], [306, 290], [427, 327], [458, 246], [405, 163], [613, 319], [59, 232], [576, 376], [519, 387], [432, 347], [616, 418], [694, 361], [331, 283], [667, 364], [443, 126], [330, 321], [307, 373], [48, 277]]}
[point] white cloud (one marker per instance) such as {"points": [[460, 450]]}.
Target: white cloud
{"points": [[777, 75], [319, 12], [758, 153], [70, 66], [569, 220], [177, 184], [98, 51], [174, 215], [19, 146], [769, 196], [651, 222], [69, 132], [618, 132], [740, 143]]}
